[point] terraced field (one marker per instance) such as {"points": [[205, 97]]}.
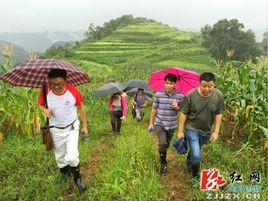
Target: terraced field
{"points": [[152, 42]]}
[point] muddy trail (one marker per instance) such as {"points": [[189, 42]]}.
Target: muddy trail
{"points": [[177, 178], [91, 169]]}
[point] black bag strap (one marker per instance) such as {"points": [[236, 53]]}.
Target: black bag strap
{"points": [[135, 99], [44, 90]]}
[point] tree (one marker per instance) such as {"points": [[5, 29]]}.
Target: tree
{"points": [[98, 32], [229, 35], [264, 43], [59, 51]]}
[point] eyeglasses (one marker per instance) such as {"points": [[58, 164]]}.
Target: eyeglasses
{"points": [[59, 84]]}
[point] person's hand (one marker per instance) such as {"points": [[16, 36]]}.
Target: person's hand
{"points": [[144, 105], [214, 136], [180, 135], [151, 127], [123, 118], [84, 134], [84, 130], [175, 105], [48, 113]]}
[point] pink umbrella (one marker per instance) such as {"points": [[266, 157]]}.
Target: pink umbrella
{"points": [[187, 80]]}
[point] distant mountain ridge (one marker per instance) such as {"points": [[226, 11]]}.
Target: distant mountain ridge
{"points": [[39, 42]]}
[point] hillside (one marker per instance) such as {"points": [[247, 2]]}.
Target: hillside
{"points": [[140, 46]]}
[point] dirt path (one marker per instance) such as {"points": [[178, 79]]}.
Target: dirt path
{"points": [[177, 178], [91, 169]]}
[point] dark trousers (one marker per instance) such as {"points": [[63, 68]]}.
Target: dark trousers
{"points": [[116, 120], [164, 138]]}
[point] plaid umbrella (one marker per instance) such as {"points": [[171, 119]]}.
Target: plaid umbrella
{"points": [[35, 72]]}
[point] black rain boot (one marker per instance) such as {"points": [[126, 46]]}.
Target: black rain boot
{"points": [[195, 179], [77, 179], [188, 163], [163, 161], [65, 173]]}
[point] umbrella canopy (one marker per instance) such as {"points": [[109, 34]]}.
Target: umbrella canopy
{"points": [[187, 80], [109, 89], [35, 72], [136, 84], [132, 93]]}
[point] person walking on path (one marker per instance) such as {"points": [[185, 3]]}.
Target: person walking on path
{"points": [[118, 111], [201, 108], [63, 101], [164, 116], [138, 104]]}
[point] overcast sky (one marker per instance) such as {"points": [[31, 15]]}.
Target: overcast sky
{"points": [[73, 15]]}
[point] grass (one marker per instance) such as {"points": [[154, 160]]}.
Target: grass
{"points": [[135, 176], [185, 65], [28, 172]]}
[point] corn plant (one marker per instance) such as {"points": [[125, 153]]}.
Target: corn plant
{"points": [[18, 108], [245, 89]]}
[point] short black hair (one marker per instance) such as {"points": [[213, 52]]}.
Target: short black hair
{"points": [[207, 76], [54, 73], [171, 77]]}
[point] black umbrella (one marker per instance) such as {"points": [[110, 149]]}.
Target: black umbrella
{"points": [[109, 89], [136, 84], [132, 93]]}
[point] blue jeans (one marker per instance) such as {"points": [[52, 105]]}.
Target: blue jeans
{"points": [[196, 139]]}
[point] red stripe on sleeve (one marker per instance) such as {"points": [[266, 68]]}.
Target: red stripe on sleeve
{"points": [[77, 95]]}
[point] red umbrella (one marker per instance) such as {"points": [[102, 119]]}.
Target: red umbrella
{"points": [[34, 73], [187, 80]]}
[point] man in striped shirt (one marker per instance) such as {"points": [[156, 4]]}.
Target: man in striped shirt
{"points": [[164, 116]]}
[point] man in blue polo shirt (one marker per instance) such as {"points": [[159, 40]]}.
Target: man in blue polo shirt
{"points": [[164, 116]]}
